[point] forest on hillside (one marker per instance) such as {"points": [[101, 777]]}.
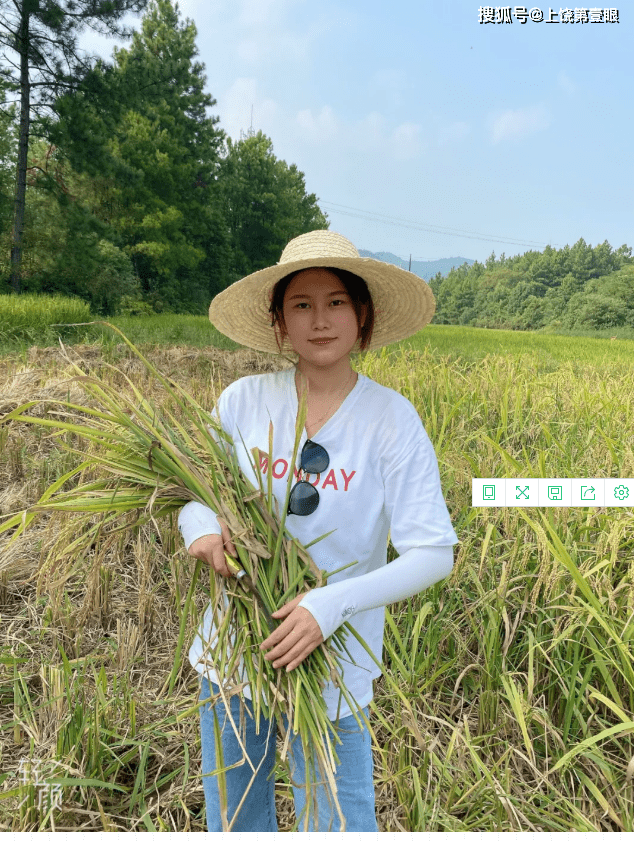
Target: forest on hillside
{"points": [[575, 287], [135, 198]]}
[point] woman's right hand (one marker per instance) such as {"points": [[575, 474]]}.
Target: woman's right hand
{"points": [[211, 548]]}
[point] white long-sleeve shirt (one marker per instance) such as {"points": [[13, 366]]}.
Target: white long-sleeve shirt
{"points": [[382, 481]]}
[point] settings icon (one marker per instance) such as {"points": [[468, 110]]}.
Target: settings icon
{"points": [[621, 492]]}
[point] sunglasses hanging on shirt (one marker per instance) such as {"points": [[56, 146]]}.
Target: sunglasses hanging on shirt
{"points": [[304, 497]]}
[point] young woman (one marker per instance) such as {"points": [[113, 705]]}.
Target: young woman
{"points": [[368, 472]]}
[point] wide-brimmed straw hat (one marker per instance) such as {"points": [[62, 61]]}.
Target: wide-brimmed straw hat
{"points": [[403, 302]]}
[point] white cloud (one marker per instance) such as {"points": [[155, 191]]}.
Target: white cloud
{"points": [[370, 137], [263, 38], [405, 141], [369, 133], [270, 46], [565, 83], [452, 132], [267, 35], [258, 12], [321, 127], [235, 107], [519, 123]]}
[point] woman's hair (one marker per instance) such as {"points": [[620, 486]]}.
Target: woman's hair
{"points": [[356, 288]]}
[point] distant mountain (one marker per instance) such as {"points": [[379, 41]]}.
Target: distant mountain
{"points": [[423, 268]]}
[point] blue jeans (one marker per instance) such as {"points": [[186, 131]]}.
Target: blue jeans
{"points": [[355, 786]]}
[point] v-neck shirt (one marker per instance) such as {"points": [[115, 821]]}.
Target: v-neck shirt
{"points": [[329, 412]]}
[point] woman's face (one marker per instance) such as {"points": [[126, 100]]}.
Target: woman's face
{"points": [[319, 317]]}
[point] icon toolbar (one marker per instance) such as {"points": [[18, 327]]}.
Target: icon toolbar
{"points": [[576, 493]]}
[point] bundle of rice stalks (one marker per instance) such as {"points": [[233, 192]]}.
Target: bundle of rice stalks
{"points": [[150, 460]]}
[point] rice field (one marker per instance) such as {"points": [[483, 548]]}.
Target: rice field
{"points": [[509, 695], [37, 319]]}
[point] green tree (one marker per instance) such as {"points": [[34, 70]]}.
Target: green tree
{"points": [[536, 288], [156, 150], [264, 202], [43, 36], [535, 313], [596, 310], [447, 292], [67, 248], [167, 207], [619, 283], [616, 287]]}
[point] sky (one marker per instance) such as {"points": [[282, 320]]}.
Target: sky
{"points": [[423, 131]]}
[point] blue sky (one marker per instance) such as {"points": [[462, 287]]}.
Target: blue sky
{"points": [[470, 138]]}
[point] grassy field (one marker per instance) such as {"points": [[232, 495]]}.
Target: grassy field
{"points": [[34, 319], [184, 330], [519, 668]]}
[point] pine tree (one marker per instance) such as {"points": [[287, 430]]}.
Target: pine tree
{"points": [[170, 145], [265, 203], [42, 35]]}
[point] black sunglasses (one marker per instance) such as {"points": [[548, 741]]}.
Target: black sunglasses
{"points": [[304, 497]]}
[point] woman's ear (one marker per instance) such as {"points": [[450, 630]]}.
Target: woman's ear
{"points": [[364, 315]]}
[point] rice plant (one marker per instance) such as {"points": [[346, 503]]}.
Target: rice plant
{"points": [[38, 318]]}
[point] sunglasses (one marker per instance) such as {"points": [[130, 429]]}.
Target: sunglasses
{"points": [[304, 497]]}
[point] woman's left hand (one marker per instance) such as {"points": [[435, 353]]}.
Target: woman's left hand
{"points": [[293, 640]]}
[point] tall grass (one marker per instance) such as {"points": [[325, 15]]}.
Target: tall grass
{"points": [[31, 318], [537, 349], [183, 330], [524, 675], [39, 320], [509, 704]]}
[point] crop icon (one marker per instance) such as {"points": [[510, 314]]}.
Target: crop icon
{"points": [[621, 492]]}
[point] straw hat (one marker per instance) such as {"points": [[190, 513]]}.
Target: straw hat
{"points": [[403, 302]]}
